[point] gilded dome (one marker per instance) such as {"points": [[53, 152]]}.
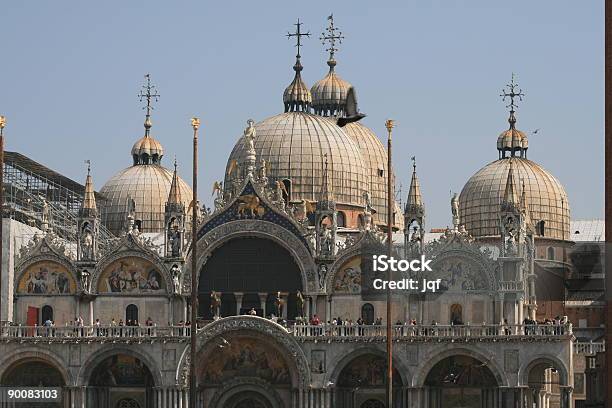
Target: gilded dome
{"points": [[375, 159], [293, 145], [329, 93], [149, 186], [479, 202]]}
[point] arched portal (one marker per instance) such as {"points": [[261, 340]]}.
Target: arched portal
{"points": [[250, 268], [547, 380], [361, 383], [461, 381], [118, 380], [34, 373], [248, 399]]}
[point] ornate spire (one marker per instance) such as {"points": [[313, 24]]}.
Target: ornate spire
{"points": [[88, 207], [414, 203], [174, 197], [148, 92], [330, 36], [297, 96], [511, 198], [325, 190]]}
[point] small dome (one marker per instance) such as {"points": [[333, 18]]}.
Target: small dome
{"points": [[293, 144], [297, 96], [329, 94], [480, 199], [147, 150], [512, 140], [149, 187]]}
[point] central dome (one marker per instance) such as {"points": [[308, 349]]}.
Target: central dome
{"points": [[293, 144]]}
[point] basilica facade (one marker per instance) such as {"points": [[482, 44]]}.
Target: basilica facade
{"points": [[287, 317]]}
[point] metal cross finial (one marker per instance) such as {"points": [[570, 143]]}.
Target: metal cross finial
{"points": [[512, 93], [331, 35], [148, 92], [298, 34], [88, 163]]}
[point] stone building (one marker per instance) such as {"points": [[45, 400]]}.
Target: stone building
{"points": [[302, 201]]}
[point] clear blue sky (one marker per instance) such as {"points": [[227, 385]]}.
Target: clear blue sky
{"points": [[71, 70]]}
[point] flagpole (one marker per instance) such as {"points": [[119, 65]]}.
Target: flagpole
{"points": [[2, 124], [195, 123], [389, 125]]}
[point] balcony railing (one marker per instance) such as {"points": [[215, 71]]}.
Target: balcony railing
{"points": [[301, 331], [431, 331], [589, 348], [110, 332], [511, 286]]}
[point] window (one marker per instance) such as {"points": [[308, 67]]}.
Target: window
{"points": [[46, 313], [550, 253], [341, 219], [131, 313], [367, 313], [287, 195], [456, 314], [540, 228], [381, 173]]}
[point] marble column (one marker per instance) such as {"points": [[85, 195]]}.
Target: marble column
{"points": [[238, 296], [285, 299], [262, 303], [314, 304]]}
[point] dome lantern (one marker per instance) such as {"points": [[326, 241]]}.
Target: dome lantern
{"points": [[512, 141], [330, 93], [147, 150], [296, 97]]}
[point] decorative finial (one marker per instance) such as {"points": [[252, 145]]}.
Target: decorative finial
{"points": [[148, 92], [330, 35], [195, 123], [2, 122], [389, 124], [512, 93], [88, 163], [298, 34], [413, 158]]}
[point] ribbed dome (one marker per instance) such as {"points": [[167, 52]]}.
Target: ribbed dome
{"points": [[329, 94], [512, 140], [375, 159], [479, 202], [293, 144], [147, 150], [149, 187], [297, 96]]}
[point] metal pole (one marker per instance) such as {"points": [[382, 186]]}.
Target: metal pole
{"points": [[195, 123], [2, 124], [389, 125]]}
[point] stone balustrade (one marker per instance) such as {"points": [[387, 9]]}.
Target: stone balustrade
{"points": [[300, 331], [412, 332], [589, 348]]}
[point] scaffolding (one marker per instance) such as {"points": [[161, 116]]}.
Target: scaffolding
{"points": [[29, 186]]}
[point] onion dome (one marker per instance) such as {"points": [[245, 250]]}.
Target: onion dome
{"points": [[294, 145], [147, 150], [147, 183], [329, 94], [297, 96], [543, 196], [512, 140], [149, 186]]}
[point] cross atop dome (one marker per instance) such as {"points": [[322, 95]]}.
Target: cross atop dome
{"points": [[330, 36], [298, 34], [148, 92], [511, 92]]}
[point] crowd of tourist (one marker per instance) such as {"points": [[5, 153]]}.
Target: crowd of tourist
{"points": [[302, 326]]}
